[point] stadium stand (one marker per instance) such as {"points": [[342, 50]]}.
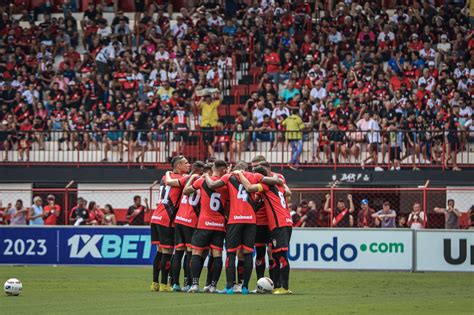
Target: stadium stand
{"points": [[310, 83]]}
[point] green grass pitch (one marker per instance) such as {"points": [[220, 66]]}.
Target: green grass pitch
{"points": [[114, 290]]}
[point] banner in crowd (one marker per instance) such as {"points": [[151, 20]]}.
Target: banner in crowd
{"points": [[439, 250]]}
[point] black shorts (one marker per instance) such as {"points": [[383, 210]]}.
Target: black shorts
{"points": [[181, 136], [395, 153], [203, 239], [281, 238], [208, 134], [262, 237], [166, 236], [239, 236], [155, 236], [183, 235]]}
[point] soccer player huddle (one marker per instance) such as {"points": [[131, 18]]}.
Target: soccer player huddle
{"points": [[201, 210]]}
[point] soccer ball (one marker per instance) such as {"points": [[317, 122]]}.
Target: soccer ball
{"points": [[264, 285], [13, 287]]}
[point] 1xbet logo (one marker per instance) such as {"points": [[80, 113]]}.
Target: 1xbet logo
{"points": [[109, 246]]}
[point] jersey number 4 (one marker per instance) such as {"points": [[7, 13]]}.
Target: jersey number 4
{"points": [[242, 194]]}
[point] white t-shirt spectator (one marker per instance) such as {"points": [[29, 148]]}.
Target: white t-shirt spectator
{"points": [[465, 112], [363, 124], [215, 22], [162, 56], [278, 112], [427, 54], [430, 82], [458, 72], [179, 31], [335, 38], [259, 113], [104, 32], [211, 74], [320, 93], [373, 135], [381, 37]]}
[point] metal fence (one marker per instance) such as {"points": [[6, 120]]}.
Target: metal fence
{"points": [[329, 149], [307, 204]]}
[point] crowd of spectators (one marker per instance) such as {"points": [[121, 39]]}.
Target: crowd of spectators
{"points": [[326, 67], [304, 214]]}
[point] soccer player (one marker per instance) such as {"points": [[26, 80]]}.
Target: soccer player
{"points": [[241, 226], [280, 225], [162, 222], [262, 238], [210, 232], [186, 222]]}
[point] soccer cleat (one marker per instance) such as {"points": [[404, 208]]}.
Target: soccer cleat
{"points": [[275, 290], [245, 291], [194, 289], [212, 289], [155, 286], [226, 291], [165, 288], [254, 291], [185, 288], [237, 288], [282, 291], [206, 288], [176, 288]]}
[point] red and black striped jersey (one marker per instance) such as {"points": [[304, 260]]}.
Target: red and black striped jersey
{"points": [[169, 200], [212, 215]]}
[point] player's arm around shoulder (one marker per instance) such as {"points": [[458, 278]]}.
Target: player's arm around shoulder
{"points": [[246, 183], [214, 184], [192, 186], [170, 181]]}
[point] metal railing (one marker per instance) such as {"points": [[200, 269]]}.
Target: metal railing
{"points": [[308, 205], [325, 149]]}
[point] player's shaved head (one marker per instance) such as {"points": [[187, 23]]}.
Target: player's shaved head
{"points": [[220, 167], [175, 160], [220, 163], [258, 159], [198, 167], [261, 170], [241, 166], [207, 167]]}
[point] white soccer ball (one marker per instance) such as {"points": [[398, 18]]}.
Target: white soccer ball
{"points": [[13, 287], [264, 285]]}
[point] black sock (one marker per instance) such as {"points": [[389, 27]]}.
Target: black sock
{"points": [[165, 267], [216, 270], [170, 273], [156, 266], [196, 267], [248, 267], [284, 270], [230, 269], [177, 260], [210, 270], [240, 271], [260, 262], [275, 271], [270, 269], [187, 268]]}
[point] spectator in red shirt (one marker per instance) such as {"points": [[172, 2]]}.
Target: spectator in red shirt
{"points": [[272, 63], [364, 217], [51, 211]]}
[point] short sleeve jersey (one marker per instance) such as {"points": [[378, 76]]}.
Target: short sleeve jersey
{"points": [[189, 209], [262, 218], [213, 202], [169, 200], [276, 206], [242, 203]]}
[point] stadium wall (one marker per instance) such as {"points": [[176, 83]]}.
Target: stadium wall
{"points": [[404, 250]]}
